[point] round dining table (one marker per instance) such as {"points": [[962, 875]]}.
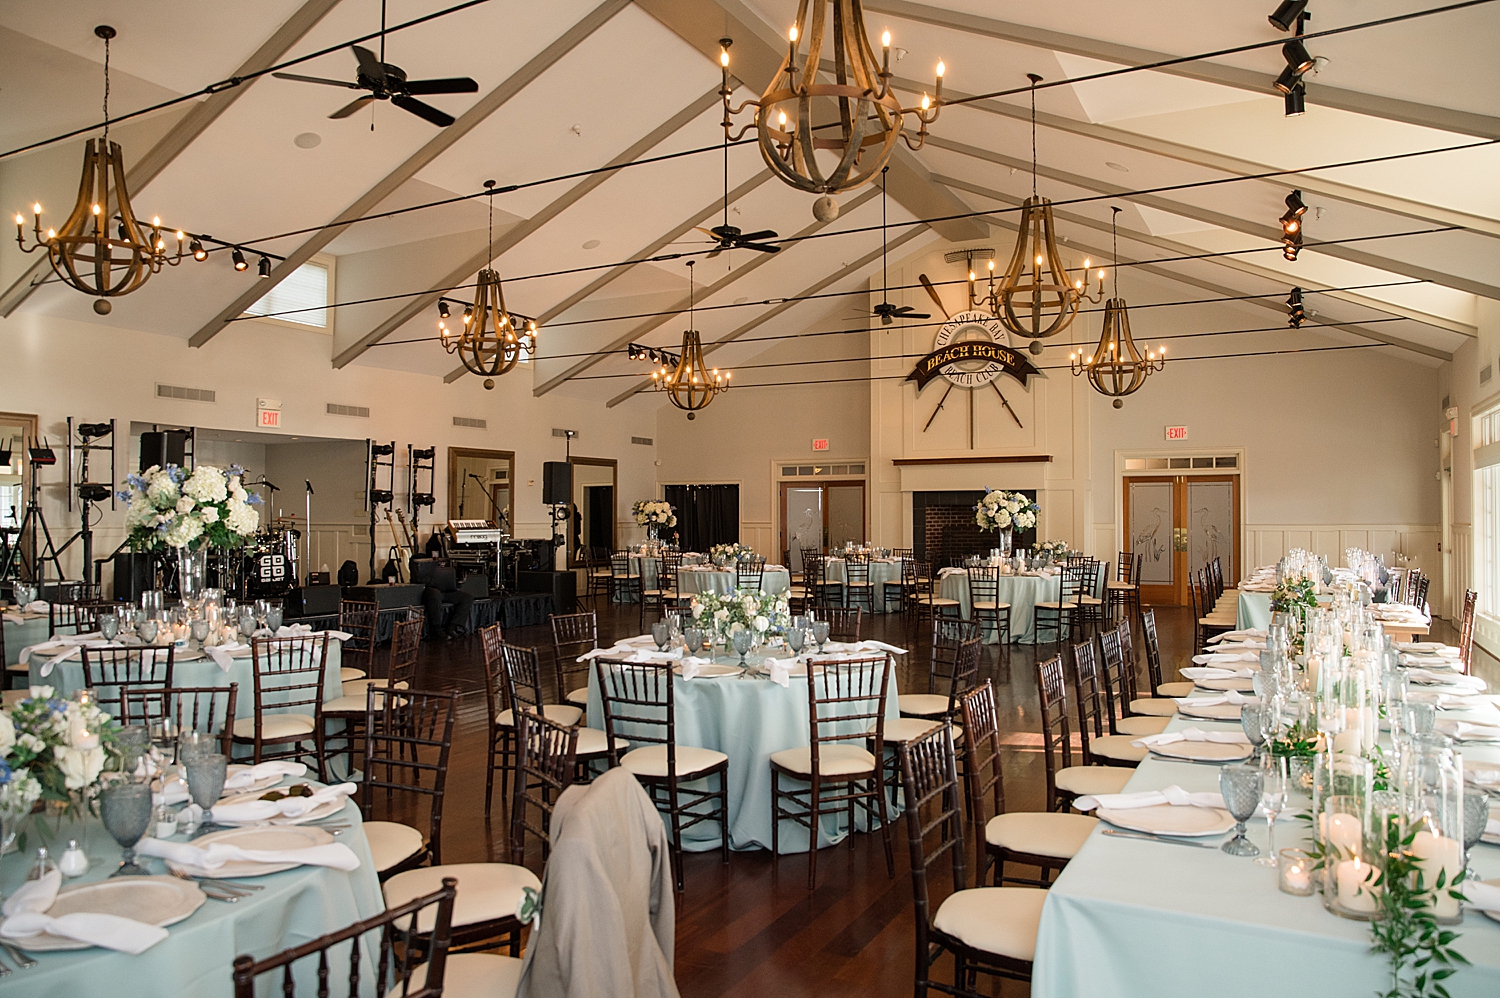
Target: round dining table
{"points": [[882, 570], [23, 629], [705, 579], [1022, 592], [292, 907]]}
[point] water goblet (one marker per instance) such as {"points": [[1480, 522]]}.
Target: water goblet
{"points": [[661, 633], [132, 741], [261, 611], [1241, 786], [1420, 717], [799, 623], [1273, 791], [191, 744], [794, 640], [247, 624], [206, 773], [274, 617], [741, 641], [147, 630], [199, 631], [820, 633], [693, 638], [1253, 721], [126, 810], [1476, 817], [163, 734]]}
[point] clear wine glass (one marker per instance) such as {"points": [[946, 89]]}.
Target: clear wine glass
{"points": [[163, 731], [820, 633], [661, 633], [1476, 817], [126, 810], [1241, 786], [1273, 791]]}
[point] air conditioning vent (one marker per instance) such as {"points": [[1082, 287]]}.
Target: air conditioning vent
{"points": [[469, 421], [643, 441], [1486, 373], [334, 409], [186, 394], [558, 432]]}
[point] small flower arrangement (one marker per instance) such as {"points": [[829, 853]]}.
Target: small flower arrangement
{"points": [[1293, 592], [653, 512], [1054, 550], [169, 508], [52, 749], [728, 613], [723, 553], [1000, 510]]}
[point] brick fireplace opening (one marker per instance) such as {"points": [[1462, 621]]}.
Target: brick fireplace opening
{"points": [[944, 531]]}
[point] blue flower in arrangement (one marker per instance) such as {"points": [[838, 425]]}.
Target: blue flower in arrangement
{"points": [[253, 499], [176, 473], [135, 482], [5, 772], [235, 469], [123, 495]]}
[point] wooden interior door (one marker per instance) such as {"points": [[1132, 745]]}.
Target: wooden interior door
{"points": [[1178, 524]]}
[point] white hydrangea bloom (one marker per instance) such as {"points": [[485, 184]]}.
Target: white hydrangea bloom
{"points": [[241, 518], [206, 484]]}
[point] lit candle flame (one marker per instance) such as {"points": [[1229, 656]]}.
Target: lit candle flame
{"points": [[885, 40]]}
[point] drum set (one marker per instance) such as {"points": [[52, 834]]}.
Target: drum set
{"points": [[267, 565]]}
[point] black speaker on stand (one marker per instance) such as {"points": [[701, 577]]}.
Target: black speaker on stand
{"points": [[557, 483]]}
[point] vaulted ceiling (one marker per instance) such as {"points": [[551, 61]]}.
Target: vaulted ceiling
{"points": [[569, 86]]}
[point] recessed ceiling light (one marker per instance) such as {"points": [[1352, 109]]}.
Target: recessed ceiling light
{"points": [[592, 243], [307, 140], [1117, 166]]}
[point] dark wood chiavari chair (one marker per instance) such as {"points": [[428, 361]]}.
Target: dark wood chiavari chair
{"points": [[1118, 672], [749, 573], [1097, 739], [1061, 614], [843, 621], [408, 738], [360, 620], [930, 602], [572, 635], [948, 635], [546, 758], [984, 603], [109, 672], [624, 582], [1153, 659], [857, 587], [288, 704], [1066, 781], [191, 708], [1466, 630]]}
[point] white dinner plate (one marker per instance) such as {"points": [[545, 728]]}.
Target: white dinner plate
{"points": [[1169, 819], [325, 810], [712, 671], [1204, 751], [1212, 712], [153, 900], [264, 783], [1239, 684], [274, 838]]}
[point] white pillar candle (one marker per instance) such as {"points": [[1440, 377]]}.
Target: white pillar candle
{"points": [[1343, 832], [1436, 853], [1347, 742], [1354, 885], [1314, 663]]}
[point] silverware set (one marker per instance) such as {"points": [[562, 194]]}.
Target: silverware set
{"points": [[228, 891], [1149, 837], [22, 960]]}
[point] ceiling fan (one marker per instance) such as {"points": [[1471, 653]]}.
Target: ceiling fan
{"points": [[890, 313], [729, 236], [388, 82]]}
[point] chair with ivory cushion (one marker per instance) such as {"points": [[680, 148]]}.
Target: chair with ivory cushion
{"points": [[1153, 661], [834, 772], [640, 706], [1137, 705], [1124, 590], [288, 704], [1119, 688], [964, 671], [408, 737], [1063, 613], [546, 758], [1066, 781], [401, 674], [984, 602], [988, 930], [1098, 744], [948, 635], [512, 683], [359, 619], [572, 635], [929, 601]]}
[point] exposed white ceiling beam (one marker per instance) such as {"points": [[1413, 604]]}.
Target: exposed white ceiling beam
{"points": [[1374, 105], [673, 311], [757, 54], [614, 273], [435, 147], [1235, 225], [1310, 182], [519, 231], [1171, 274], [191, 125], [812, 289]]}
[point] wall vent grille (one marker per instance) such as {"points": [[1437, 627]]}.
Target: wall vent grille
{"points": [[334, 409], [471, 422], [643, 441], [186, 394], [1486, 373]]}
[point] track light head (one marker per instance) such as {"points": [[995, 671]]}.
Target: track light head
{"points": [[1295, 313], [238, 256], [443, 312], [1296, 55], [1288, 81], [1291, 222], [1296, 101], [1295, 205], [1286, 14], [264, 267], [196, 248]]}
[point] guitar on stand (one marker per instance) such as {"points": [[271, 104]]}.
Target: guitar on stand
{"points": [[403, 551]]}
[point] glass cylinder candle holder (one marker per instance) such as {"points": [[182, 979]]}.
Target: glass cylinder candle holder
{"points": [[1349, 875], [1294, 872], [1432, 785]]}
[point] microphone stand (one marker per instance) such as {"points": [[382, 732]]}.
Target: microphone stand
{"points": [[463, 484], [307, 537]]}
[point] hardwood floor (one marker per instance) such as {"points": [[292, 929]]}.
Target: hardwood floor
{"points": [[751, 928]]}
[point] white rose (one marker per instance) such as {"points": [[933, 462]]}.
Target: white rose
{"points": [[721, 615], [209, 514], [7, 733], [80, 767], [31, 743], [736, 627], [185, 505], [762, 623], [697, 610], [40, 693]]}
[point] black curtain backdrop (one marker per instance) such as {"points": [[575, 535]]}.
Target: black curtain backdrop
{"points": [[601, 500], [706, 514]]}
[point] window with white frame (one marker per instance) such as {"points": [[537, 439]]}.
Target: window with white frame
{"points": [[1487, 511], [302, 298]]}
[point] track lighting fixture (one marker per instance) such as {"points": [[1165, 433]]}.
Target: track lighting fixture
{"points": [[1291, 244], [1294, 311], [1296, 55], [238, 256], [1295, 205], [443, 312], [199, 253], [1288, 81], [1296, 101], [264, 267], [1286, 14], [1291, 221]]}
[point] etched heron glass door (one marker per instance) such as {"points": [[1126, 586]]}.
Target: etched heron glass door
{"points": [[1153, 525]]}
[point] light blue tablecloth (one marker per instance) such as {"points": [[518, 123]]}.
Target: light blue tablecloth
{"points": [[881, 572], [1131, 918], [772, 581], [1254, 611], [1022, 592], [31, 631], [294, 907], [748, 720]]}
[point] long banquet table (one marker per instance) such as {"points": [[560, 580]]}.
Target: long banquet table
{"points": [[1254, 611], [748, 720], [1155, 920], [195, 959]]}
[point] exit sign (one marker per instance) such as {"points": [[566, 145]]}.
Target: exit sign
{"points": [[1177, 433], [820, 444], [268, 413]]}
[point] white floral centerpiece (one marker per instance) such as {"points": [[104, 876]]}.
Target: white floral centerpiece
{"points": [[653, 514], [1000, 510], [169, 508], [1053, 550], [727, 613], [52, 749], [724, 553]]}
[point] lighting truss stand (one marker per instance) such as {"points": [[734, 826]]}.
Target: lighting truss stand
{"points": [[418, 463], [380, 457], [88, 437], [16, 564]]}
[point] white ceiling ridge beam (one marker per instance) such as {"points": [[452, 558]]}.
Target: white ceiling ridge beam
{"points": [[435, 147], [812, 289], [188, 128], [620, 270], [1372, 105], [1233, 224], [1307, 182], [1170, 274], [516, 233], [756, 55], [681, 306]]}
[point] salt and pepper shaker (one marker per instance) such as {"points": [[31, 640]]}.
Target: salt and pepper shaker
{"points": [[73, 862], [165, 821], [41, 866]]}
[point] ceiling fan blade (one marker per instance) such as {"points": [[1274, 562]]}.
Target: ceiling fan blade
{"points": [[316, 79], [421, 110], [714, 252], [448, 85], [351, 107], [755, 237], [933, 292], [762, 247], [368, 64], [917, 315], [707, 232]]}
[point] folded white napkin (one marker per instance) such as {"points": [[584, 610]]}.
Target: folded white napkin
{"points": [[1482, 777], [833, 647], [223, 655], [38, 606], [869, 644], [1430, 678], [211, 857], [639, 641], [651, 655], [287, 807], [1431, 661], [779, 670], [293, 630], [1174, 795], [24, 918], [1193, 735], [943, 573], [594, 653], [1196, 673], [1252, 632], [58, 642], [1485, 897], [1228, 696], [1214, 658], [1430, 648], [1467, 731], [692, 667], [1444, 701], [247, 777], [13, 618], [776, 568]]}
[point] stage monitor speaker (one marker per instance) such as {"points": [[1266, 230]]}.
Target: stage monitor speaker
{"points": [[135, 573], [562, 585], [163, 447], [387, 597], [557, 482], [313, 601]]}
